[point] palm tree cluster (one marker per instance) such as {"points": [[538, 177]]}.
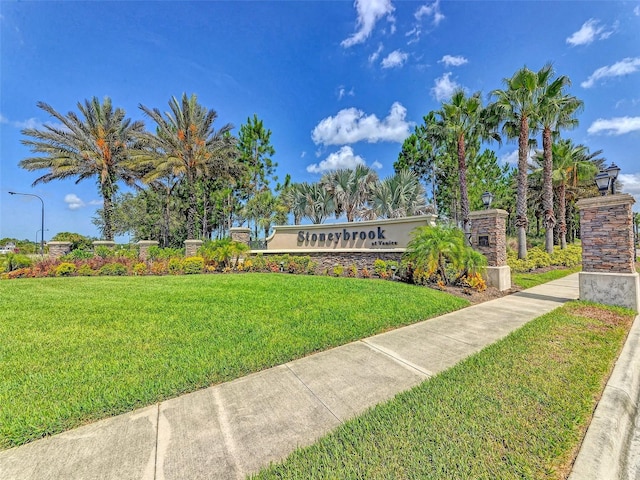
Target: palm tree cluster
{"points": [[531, 102], [357, 194]]}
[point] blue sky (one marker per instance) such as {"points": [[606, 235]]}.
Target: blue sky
{"points": [[337, 82]]}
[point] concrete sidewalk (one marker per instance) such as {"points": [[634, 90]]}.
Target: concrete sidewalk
{"points": [[235, 428]]}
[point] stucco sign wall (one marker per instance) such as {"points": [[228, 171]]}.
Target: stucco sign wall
{"points": [[392, 234]]}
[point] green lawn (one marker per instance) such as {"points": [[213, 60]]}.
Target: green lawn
{"points": [[531, 279], [78, 349], [516, 410]]}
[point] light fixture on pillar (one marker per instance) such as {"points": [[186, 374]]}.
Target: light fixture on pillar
{"points": [[613, 172], [487, 198], [602, 181]]}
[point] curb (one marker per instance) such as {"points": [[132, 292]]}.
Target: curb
{"points": [[604, 451]]}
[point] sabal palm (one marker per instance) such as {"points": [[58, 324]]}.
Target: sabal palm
{"points": [[465, 121], [571, 163], [309, 200], [187, 143], [351, 189], [93, 145], [556, 111], [517, 106], [399, 195]]}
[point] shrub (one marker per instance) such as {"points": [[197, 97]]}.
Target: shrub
{"points": [[157, 253], [380, 268], [365, 273], [192, 265], [569, 257], [103, 252], [78, 254], [16, 261], [159, 267], [140, 268], [222, 251], [85, 270], [338, 270], [474, 281], [65, 269], [352, 271], [174, 266], [113, 269]]}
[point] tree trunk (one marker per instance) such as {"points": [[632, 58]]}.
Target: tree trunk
{"points": [[562, 211], [464, 196], [107, 212], [521, 202], [547, 190], [191, 210]]}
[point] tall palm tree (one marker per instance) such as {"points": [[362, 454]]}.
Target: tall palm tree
{"points": [[350, 188], [517, 106], [465, 121], [309, 200], [556, 111], [187, 143], [571, 164], [93, 145], [400, 195]]}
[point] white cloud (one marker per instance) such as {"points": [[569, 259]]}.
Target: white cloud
{"points": [[342, 92], [430, 10], [636, 11], [303, 154], [375, 55], [511, 158], [630, 183], [343, 158], [394, 59], [615, 126], [73, 201], [369, 12], [3, 119], [351, 125], [377, 165], [444, 87], [623, 67], [451, 61], [590, 31], [21, 124]]}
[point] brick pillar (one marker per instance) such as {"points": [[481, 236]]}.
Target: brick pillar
{"points": [[240, 234], [489, 237], [608, 256], [191, 247], [58, 249], [144, 248]]}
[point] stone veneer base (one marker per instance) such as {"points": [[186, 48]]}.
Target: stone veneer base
{"points": [[499, 277], [617, 289]]}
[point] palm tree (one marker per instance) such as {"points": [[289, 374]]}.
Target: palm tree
{"points": [[187, 143], [400, 195], [309, 200], [571, 163], [350, 188], [95, 145], [517, 106], [465, 121], [556, 110]]}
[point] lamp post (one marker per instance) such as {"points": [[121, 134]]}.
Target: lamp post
{"points": [[606, 179], [42, 217], [487, 198]]}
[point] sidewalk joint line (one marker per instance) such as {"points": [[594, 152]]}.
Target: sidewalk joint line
{"points": [[313, 393], [155, 464], [397, 359]]}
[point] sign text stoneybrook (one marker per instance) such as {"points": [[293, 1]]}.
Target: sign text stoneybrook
{"points": [[377, 237]]}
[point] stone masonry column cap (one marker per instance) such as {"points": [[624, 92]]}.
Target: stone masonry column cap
{"points": [[494, 212], [606, 201]]}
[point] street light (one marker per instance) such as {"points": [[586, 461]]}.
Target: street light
{"points": [[38, 231], [487, 198], [42, 218], [607, 178]]}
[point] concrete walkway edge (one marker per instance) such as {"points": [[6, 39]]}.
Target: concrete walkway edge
{"points": [[608, 451]]}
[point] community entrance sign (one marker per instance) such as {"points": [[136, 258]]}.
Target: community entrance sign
{"points": [[389, 235]]}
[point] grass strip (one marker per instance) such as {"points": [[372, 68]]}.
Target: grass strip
{"points": [[74, 350], [516, 410], [531, 279]]}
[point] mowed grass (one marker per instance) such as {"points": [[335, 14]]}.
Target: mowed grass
{"points": [[74, 350], [531, 279], [516, 410]]}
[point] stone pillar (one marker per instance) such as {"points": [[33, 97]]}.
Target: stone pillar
{"points": [[58, 249], [608, 256], [144, 248], [240, 234], [191, 247], [489, 237]]}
